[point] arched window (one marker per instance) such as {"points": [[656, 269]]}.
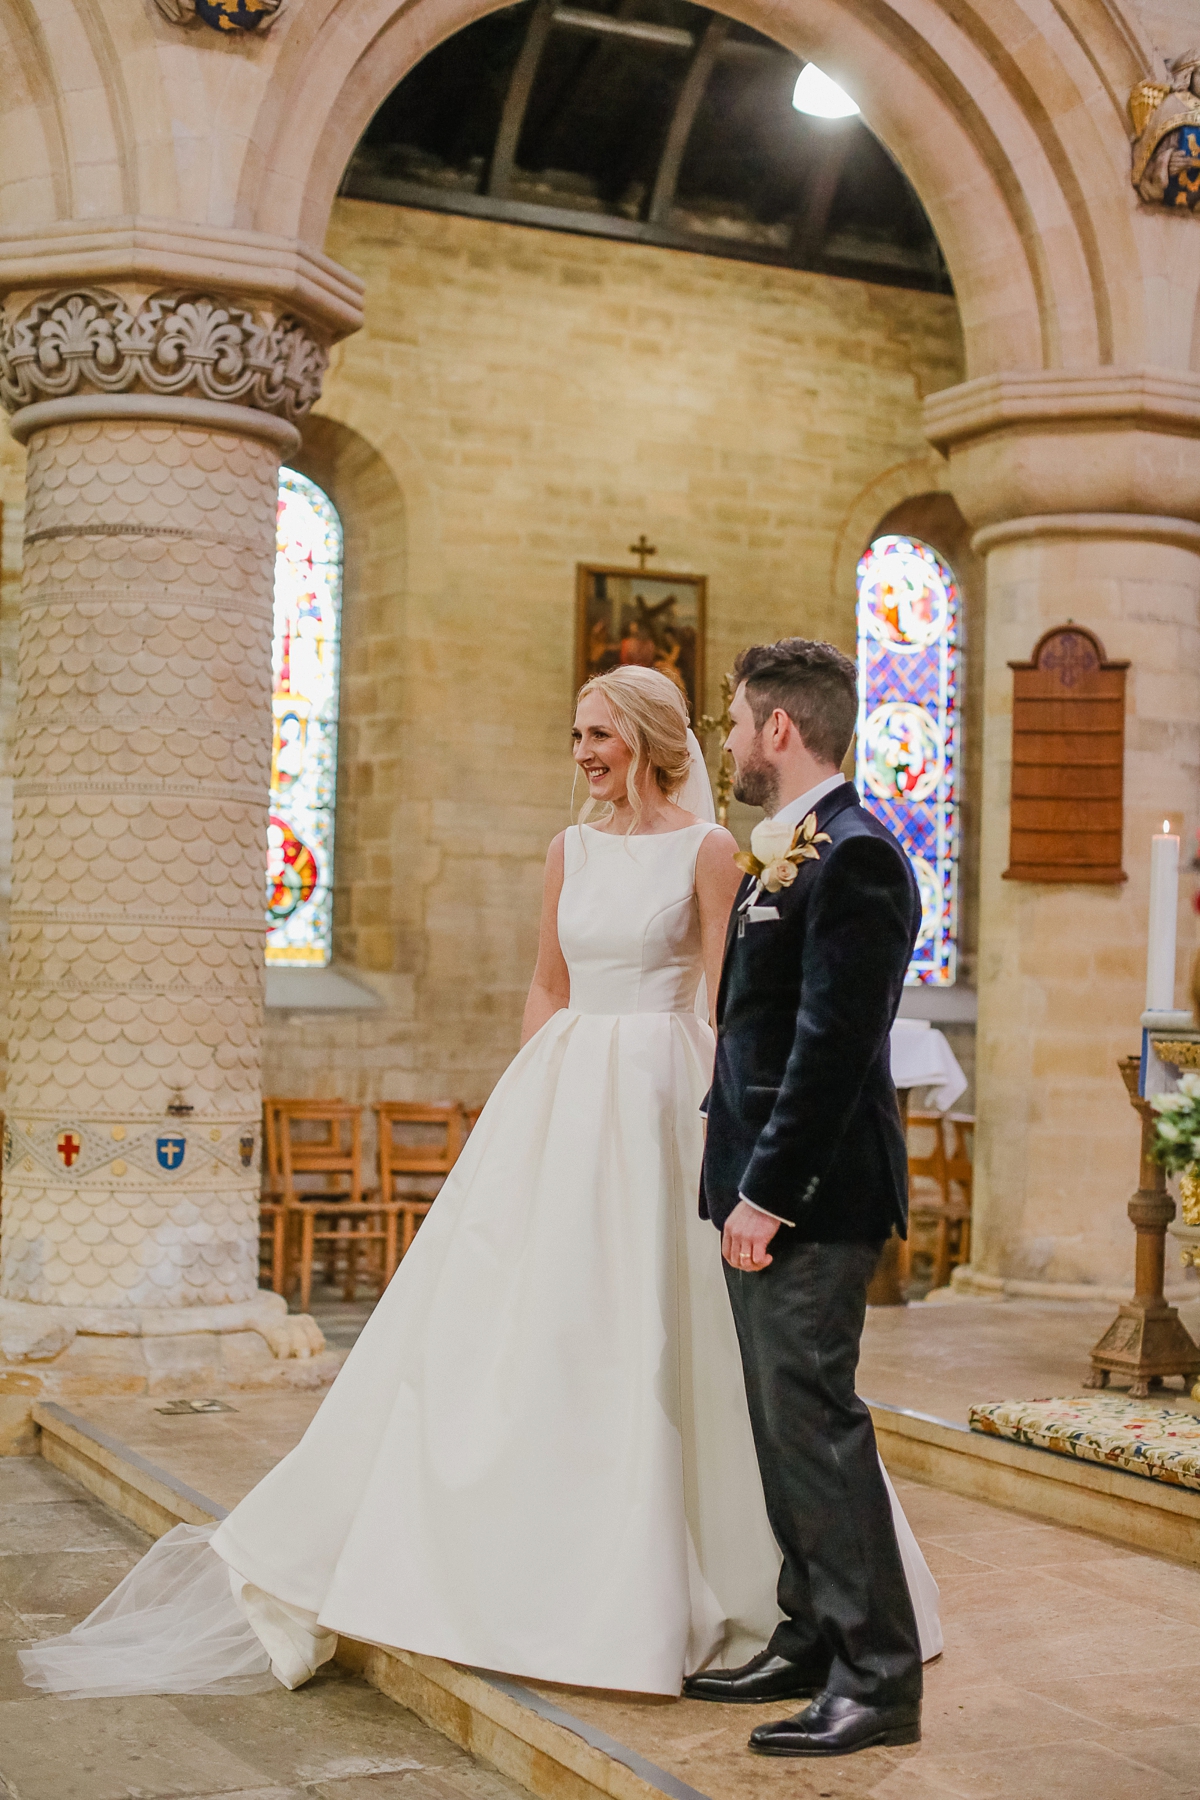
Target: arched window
{"points": [[304, 668], [908, 728]]}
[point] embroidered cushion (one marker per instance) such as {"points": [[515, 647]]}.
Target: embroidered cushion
{"points": [[1154, 1441]]}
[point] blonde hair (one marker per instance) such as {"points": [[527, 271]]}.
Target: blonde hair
{"points": [[651, 718]]}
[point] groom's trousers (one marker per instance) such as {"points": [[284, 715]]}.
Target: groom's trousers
{"points": [[842, 1587]]}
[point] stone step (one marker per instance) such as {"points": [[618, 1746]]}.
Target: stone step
{"points": [[1130, 1509], [528, 1738]]}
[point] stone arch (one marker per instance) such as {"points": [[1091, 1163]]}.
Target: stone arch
{"points": [[1013, 134], [904, 481]]}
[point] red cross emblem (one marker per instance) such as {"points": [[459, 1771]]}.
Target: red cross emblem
{"points": [[68, 1147]]}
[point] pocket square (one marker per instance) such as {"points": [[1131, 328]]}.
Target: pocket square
{"points": [[756, 913]]}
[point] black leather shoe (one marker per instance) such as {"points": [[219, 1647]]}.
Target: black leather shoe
{"points": [[764, 1677], [834, 1726]]}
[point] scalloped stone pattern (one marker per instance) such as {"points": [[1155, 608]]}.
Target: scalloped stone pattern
{"points": [[139, 819]]}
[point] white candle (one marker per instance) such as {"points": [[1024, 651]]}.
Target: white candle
{"points": [[1164, 905]]}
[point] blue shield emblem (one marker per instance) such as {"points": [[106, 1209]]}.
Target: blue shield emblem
{"points": [[170, 1151]]}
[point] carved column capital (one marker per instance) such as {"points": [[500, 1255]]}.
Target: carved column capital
{"points": [[203, 358], [1104, 452]]}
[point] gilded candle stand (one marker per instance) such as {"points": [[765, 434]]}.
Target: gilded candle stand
{"points": [[1146, 1342]]}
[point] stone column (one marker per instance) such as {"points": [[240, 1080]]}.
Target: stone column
{"points": [[1085, 494], [131, 1162]]}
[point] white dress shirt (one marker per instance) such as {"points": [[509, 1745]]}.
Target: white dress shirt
{"points": [[791, 814]]}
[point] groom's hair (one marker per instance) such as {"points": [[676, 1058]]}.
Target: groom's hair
{"points": [[813, 683]]}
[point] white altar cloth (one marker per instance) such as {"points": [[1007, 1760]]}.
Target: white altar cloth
{"points": [[922, 1058]]}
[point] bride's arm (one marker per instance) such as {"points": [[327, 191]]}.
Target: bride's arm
{"points": [[550, 989], [717, 881]]}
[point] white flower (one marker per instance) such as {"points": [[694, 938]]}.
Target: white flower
{"points": [[770, 840], [778, 875], [1168, 1131], [1189, 1084], [1169, 1103]]}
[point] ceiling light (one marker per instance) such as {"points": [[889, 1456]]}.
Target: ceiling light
{"points": [[815, 93]]}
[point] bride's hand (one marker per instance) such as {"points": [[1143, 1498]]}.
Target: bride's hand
{"points": [[745, 1238]]}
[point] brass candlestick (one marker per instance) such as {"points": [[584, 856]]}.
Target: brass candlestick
{"points": [[723, 725], [1146, 1341]]}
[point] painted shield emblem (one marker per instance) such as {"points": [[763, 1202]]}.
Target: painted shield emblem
{"points": [[246, 1148], [170, 1151], [68, 1145]]}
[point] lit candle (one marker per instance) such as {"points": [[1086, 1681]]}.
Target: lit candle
{"points": [[1164, 904]]}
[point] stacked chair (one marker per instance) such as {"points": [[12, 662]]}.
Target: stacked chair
{"points": [[418, 1147], [940, 1192], [318, 1205]]}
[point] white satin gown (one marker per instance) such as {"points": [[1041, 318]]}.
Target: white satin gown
{"points": [[537, 1458]]}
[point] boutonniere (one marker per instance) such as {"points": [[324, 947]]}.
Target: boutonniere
{"points": [[776, 852]]}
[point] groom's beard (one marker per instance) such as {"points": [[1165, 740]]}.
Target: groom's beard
{"points": [[756, 783]]}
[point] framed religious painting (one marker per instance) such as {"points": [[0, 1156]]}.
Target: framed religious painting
{"points": [[641, 616]]}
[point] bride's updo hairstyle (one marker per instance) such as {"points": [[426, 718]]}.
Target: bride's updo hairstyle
{"points": [[651, 718]]}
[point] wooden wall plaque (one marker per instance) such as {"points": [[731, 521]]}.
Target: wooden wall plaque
{"points": [[1068, 761]]}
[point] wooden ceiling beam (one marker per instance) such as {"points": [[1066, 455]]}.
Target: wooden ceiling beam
{"points": [[687, 104], [504, 152]]}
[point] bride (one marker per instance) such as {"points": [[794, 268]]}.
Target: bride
{"points": [[537, 1458]]}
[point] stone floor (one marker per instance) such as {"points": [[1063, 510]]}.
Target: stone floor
{"points": [[1070, 1673], [941, 1358], [337, 1739]]}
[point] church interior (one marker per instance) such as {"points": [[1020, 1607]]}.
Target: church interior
{"points": [[377, 374]]}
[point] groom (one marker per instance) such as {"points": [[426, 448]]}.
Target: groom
{"points": [[805, 1173]]}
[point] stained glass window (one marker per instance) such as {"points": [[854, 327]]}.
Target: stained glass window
{"points": [[908, 729], [304, 666]]}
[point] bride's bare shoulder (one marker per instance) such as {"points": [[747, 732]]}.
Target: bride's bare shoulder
{"points": [[715, 867], [556, 857], [718, 846]]}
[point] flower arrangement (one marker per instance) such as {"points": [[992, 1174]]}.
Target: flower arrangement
{"points": [[1177, 1141], [776, 851], [1177, 1131]]}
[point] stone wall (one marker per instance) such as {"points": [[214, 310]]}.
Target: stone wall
{"points": [[518, 402]]}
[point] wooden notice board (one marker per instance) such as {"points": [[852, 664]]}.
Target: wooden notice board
{"points": [[1068, 761]]}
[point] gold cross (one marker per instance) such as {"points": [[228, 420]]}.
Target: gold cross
{"points": [[722, 725], [642, 549]]}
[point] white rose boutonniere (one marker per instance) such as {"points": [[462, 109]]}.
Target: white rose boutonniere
{"points": [[776, 851]]}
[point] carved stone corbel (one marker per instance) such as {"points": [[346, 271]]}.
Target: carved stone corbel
{"points": [[256, 16], [1166, 145]]}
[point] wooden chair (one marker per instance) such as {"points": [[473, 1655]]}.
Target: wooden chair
{"points": [[272, 1215], [924, 1172], [960, 1176], [419, 1144], [324, 1193], [946, 1210]]}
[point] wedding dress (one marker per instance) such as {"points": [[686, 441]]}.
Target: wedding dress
{"points": [[537, 1458]]}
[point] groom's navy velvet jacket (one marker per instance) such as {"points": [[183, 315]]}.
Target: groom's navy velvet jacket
{"points": [[802, 1113]]}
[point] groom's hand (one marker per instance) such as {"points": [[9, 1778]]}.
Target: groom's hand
{"points": [[745, 1238]]}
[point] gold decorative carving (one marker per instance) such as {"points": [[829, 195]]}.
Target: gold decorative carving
{"points": [[1189, 1196], [1183, 1055], [89, 340], [722, 724], [1166, 146]]}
